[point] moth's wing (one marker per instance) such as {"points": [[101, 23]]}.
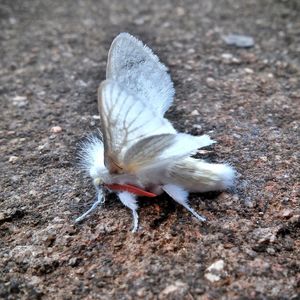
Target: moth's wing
{"points": [[140, 72], [159, 151], [125, 120]]}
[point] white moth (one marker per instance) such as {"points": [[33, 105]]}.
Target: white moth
{"points": [[140, 152]]}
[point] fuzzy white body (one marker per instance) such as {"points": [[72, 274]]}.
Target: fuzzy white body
{"points": [[180, 178], [193, 175], [139, 146]]}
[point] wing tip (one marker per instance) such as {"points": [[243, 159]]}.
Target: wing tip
{"points": [[198, 141], [126, 44], [205, 140], [126, 36]]}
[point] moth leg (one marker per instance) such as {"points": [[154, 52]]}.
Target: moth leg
{"points": [[99, 200], [129, 200], [181, 197]]}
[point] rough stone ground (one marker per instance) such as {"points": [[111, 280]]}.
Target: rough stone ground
{"points": [[53, 56]]}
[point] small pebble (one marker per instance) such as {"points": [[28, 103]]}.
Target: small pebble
{"points": [[249, 202], [210, 82], [45, 146], [180, 11], [56, 129], [248, 71], [195, 113], [73, 262], [15, 178], [287, 213], [19, 98], [212, 277], [213, 272], [197, 126], [240, 41], [81, 83], [217, 265], [236, 135], [2, 216], [178, 288], [33, 193], [20, 101], [271, 250], [13, 159], [227, 56], [142, 292], [250, 252]]}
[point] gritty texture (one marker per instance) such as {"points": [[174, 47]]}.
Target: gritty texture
{"points": [[53, 57]]}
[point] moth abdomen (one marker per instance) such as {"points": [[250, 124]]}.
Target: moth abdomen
{"points": [[199, 176]]}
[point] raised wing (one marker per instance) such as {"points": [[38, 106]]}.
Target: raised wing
{"points": [[125, 120], [140, 72]]}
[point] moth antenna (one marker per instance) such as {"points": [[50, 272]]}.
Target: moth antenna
{"points": [[181, 196], [99, 201], [129, 200]]}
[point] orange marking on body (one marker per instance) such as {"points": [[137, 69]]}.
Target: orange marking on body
{"points": [[131, 189]]}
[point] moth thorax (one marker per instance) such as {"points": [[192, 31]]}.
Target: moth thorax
{"points": [[114, 168]]}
